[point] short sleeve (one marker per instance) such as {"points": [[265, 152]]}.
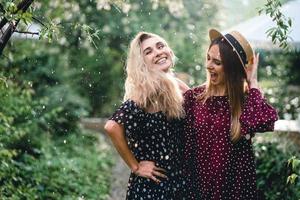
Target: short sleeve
{"points": [[257, 114], [124, 115]]}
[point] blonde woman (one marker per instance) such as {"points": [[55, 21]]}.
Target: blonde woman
{"points": [[147, 128], [222, 117]]}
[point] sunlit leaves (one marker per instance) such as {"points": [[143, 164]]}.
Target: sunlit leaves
{"points": [[50, 31], [278, 34], [90, 32], [294, 164]]}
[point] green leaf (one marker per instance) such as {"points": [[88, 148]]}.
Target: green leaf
{"points": [[10, 7], [295, 164], [292, 179]]}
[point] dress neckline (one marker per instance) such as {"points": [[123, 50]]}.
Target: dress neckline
{"points": [[144, 111], [219, 97]]}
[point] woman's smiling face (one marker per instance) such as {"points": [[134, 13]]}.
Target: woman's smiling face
{"points": [[215, 67], [156, 54]]}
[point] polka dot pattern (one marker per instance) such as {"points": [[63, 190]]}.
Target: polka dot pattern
{"points": [[151, 136], [215, 167]]}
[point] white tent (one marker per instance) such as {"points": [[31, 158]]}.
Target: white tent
{"points": [[255, 28]]}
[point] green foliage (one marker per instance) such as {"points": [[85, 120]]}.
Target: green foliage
{"points": [[280, 33], [18, 121], [272, 172], [90, 40], [70, 168], [294, 165], [46, 75], [280, 77], [34, 162]]}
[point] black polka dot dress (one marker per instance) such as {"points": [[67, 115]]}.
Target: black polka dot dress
{"points": [[217, 169], [152, 137]]}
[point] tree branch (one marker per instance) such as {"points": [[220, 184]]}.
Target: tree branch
{"points": [[4, 20], [1, 8], [39, 21], [27, 32], [23, 6]]}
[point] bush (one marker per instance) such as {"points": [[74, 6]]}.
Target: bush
{"points": [[67, 169], [272, 171], [18, 124], [280, 75], [43, 71], [35, 163]]}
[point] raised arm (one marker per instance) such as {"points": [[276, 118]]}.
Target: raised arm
{"points": [[257, 114]]}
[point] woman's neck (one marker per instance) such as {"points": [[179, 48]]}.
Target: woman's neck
{"points": [[219, 90]]}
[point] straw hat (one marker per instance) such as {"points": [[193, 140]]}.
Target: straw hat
{"points": [[238, 42]]}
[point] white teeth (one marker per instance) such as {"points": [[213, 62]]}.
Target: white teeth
{"points": [[161, 61]]}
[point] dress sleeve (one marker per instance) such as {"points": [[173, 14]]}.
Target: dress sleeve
{"points": [[124, 114], [257, 114], [189, 145], [188, 124]]}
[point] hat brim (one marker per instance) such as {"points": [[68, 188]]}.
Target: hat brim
{"points": [[214, 34]]}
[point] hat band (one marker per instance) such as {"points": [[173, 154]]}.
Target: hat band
{"points": [[238, 48]]}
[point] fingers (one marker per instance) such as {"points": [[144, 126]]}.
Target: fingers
{"points": [[157, 173], [256, 59], [154, 179], [252, 67], [159, 169], [147, 169]]}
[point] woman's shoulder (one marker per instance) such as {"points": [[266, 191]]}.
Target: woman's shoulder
{"points": [[194, 92], [191, 95], [199, 89], [129, 105]]}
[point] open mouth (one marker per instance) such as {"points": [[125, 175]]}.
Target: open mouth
{"points": [[213, 76], [161, 61]]}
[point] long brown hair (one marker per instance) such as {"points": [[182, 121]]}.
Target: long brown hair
{"points": [[235, 78]]}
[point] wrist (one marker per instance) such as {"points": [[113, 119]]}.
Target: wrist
{"points": [[253, 83], [134, 168]]}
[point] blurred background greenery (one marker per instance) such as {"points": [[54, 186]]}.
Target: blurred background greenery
{"points": [[46, 87]]}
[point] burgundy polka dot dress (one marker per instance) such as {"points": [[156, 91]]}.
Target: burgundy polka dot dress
{"points": [[217, 169], [153, 137]]}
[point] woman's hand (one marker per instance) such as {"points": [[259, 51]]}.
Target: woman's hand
{"points": [[147, 169], [251, 70]]}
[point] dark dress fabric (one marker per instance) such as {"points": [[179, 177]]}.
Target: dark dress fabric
{"points": [[152, 137], [215, 167]]}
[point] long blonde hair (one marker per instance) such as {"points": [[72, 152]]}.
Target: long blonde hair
{"points": [[235, 83], [151, 88]]}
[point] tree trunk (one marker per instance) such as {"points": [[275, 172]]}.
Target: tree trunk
{"points": [[22, 6]]}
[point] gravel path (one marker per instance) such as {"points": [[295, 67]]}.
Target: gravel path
{"points": [[119, 179]]}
